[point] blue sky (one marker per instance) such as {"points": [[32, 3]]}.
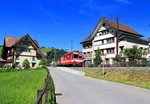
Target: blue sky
{"points": [[54, 23]]}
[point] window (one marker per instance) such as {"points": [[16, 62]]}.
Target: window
{"points": [[24, 49], [102, 41], [25, 43], [81, 56], [33, 58], [110, 51], [75, 56], [110, 40], [104, 25]]}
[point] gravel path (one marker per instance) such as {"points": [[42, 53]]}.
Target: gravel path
{"points": [[78, 89]]}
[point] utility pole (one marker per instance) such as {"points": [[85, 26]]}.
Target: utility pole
{"points": [[54, 54], [71, 45], [117, 33]]}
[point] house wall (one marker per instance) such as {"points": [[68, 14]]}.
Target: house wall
{"points": [[29, 53], [100, 41]]}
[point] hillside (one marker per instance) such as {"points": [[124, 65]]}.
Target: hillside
{"points": [[53, 54], [44, 49]]}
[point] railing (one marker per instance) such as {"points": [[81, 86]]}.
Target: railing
{"points": [[48, 90]]}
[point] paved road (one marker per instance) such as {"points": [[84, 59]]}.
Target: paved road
{"points": [[77, 89]]}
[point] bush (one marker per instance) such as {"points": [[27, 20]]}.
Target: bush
{"points": [[14, 65], [8, 68], [26, 64], [90, 64], [43, 67], [42, 62]]}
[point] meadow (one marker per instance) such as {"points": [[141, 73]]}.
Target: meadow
{"points": [[20, 87], [140, 78]]}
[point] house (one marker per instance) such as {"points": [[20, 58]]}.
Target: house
{"points": [[148, 56], [16, 50], [104, 37]]}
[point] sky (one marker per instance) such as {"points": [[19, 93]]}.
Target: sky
{"points": [[55, 23]]}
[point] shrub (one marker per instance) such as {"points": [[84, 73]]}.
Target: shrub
{"points": [[14, 65], [38, 68], [8, 68], [42, 62], [97, 59], [43, 67], [26, 64], [90, 64]]}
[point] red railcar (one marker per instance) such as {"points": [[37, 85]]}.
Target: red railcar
{"points": [[74, 58]]}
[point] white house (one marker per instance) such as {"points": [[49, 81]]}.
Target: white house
{"points": [[104, 38], [148, 56]]}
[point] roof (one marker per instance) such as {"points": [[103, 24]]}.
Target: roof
{"points": [[11, 41], [122, 27]]}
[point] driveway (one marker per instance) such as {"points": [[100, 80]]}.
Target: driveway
{"points": [[78, 89]]}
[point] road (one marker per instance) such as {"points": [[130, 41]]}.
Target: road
{"points": [[78, 89]]}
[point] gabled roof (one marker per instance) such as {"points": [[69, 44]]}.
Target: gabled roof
{"points": [[122, 27], [11, 41]]}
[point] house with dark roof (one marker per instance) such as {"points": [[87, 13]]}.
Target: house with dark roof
{"points": [[16, 50], [104, 37]]}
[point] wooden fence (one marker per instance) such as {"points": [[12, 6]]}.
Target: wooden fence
{"points": [[47, 94]]}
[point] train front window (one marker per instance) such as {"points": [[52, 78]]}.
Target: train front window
{"points": [[80, 56], [75, 56]]}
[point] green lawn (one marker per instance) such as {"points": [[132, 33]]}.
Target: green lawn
{"points": [[20, 87], [140, 78]]}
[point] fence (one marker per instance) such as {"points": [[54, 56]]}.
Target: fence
{"points": [[47, 94], [132, 64]]}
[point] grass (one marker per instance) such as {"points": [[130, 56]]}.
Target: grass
{"points": [[46, 49], [20, 87], [140, 78]]}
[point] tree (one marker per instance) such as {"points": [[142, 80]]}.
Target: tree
{"points": [[97, 59], [133, 53], [26, 64], [42, 62], [55, 54]]}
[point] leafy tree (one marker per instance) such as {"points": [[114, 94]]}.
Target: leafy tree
{"points": [[43, 61], [55, 54], [1, 51], [133, 53], [26, 64], [97, 59], [118, 58]]}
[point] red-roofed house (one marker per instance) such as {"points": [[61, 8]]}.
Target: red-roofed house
{"points": [[16, 50], [103, 37]]}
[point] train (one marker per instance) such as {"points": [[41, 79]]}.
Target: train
{"points": [[74, 58]]}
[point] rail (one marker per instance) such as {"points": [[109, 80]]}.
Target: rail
{"points": [[48, 90]]}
